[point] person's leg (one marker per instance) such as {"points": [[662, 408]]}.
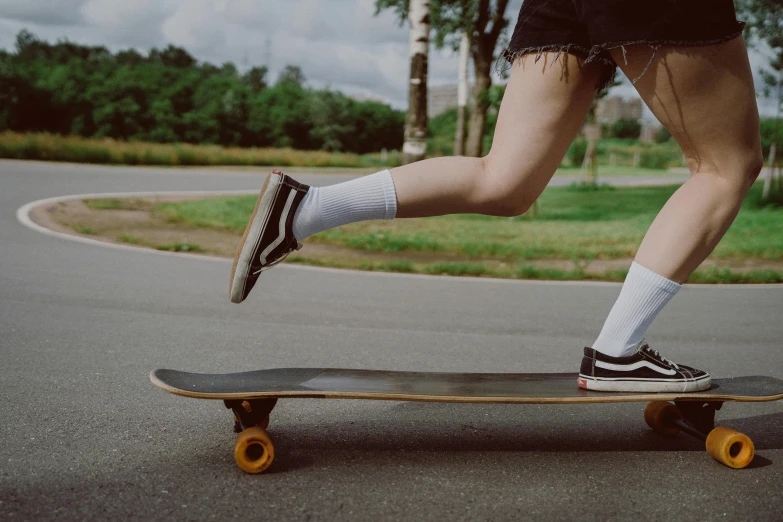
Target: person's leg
{"points": [[542, 109], [705, 97], [545, 103]]}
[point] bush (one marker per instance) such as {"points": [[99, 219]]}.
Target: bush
{"points": [[663, 136], [626, 128], [768, 136], [441, 130], [658, 158], [576, 152]]}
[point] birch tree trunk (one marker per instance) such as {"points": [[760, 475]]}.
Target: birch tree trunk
{"points": [[414, 147], [462, 95]]}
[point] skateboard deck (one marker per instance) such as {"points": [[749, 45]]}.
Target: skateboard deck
{"points": [[530, 388], [252, 396]]}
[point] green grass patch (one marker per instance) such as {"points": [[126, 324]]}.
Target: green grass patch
{"points": [[380, 242], [230, 213], [557, 274], [181, 247], [85, 230], [609, 171], [583, 186], [724, 275], [132, 240], [571, 224], [398, 266], [457, 269]]}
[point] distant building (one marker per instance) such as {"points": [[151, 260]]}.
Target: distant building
{"points": [[613, 108], [442, 98]]}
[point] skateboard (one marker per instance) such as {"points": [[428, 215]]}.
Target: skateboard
{"points": [[252, 396]]}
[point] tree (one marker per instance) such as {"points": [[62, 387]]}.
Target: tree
{"points": [[167, 96], [626, 128], [291, 74], [483, 21], [27, 44], [462, 95], [255, 78], [765, 24], [485, 39], [414, 147], [173, 56]]}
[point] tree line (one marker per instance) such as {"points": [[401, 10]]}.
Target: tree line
{"points": [[168, 96]]}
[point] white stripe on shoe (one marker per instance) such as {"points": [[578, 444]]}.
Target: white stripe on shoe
{"points": [[634, 366], [281, 229]]}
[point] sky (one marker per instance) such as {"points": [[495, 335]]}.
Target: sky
{"points": [[339, 44]]}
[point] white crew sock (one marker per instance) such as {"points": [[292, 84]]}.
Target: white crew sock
{"points": [[643, 295], [361, 199]]}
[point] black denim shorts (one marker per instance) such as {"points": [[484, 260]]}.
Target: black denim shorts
{"points": [[588, 28]]}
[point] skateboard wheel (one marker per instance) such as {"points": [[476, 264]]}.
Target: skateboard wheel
{"points": [[661, 417], [254, 451], [730, 447]]}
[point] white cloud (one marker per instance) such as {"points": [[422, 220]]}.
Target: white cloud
{"points": [[197, 25], [127, 23], [43, 12]]}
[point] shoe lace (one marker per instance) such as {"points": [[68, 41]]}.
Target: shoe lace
{"points": [[662, 358], [279, 259]]}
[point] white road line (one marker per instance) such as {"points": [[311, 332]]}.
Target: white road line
{"points": [[23, 216]]}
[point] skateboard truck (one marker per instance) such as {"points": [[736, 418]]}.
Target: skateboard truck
{"points": [[250, 413], [697, 419]]}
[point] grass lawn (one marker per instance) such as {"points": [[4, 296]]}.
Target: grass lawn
{"points": [[571, 224], [106, 151], [617, 170]]}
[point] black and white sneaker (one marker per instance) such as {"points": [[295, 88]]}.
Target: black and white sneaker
{"points": [[644, 371], [269, 236]]}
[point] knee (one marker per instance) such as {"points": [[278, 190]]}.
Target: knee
{"points": [[739, 169], [503, 191]]}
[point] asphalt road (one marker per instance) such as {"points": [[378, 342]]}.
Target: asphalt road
{"points": [[86, 436]]}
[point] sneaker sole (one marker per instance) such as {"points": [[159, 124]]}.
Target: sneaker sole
{"points": [[245, 249], [644, 386]]}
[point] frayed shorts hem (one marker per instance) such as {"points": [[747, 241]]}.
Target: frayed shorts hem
{"points": [[599, 56]]}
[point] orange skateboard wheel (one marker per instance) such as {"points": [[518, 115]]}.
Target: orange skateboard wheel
{"points": [[661, 417], [254, 451], [730, 447]]}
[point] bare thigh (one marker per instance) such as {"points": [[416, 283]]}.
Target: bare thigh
{"points": [[543, 107], [705, 97]]}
